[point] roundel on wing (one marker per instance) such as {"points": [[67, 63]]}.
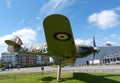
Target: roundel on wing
{"points": [[62, 36]]}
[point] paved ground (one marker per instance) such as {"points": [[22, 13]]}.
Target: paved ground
{"points": [[103, 68]]}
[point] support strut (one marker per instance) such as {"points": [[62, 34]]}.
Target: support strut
{"points": [[59, 72]]}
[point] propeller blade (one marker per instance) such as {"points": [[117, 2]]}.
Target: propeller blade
{"points": [[94, 43], [94, 50], [93, 58]]}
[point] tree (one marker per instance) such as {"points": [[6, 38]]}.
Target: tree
{"points": [[1, 64]]}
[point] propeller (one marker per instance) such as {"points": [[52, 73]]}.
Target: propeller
{"points": [[95, 49]]}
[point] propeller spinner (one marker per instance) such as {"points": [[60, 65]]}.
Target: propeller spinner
{"points": [[95, 49]]}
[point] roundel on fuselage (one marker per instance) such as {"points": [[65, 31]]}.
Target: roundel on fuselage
{"points": [[37, 48], [14, 41]]}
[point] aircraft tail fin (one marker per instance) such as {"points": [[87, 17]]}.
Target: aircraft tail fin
{"points": [[14, 44]]}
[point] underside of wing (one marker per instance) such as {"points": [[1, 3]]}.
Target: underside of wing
{"points": [[59, 36]]}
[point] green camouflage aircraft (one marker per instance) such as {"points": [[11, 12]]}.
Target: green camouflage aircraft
{"points": [[59, 44]]}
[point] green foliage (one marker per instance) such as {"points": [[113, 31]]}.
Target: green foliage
{"points": [[1, 64]]}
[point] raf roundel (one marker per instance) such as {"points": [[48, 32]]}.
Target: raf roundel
{"points": [[62, 36]]}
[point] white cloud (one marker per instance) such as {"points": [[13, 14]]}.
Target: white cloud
{"points": [[105, 19], [38, 17], [113, 39], [21, 21], [9, 4], [3, 46], [4, 38], [118, 8], [26, 34], [54, 6], [115, 36], [110, 42], [83, 42], [39, 28]]}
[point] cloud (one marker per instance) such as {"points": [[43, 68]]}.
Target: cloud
{"points": [[54, 6], [21, 21], [9, 4], [3, 46], [117, 9], [113, 39], [115, 36], [38, 17], [110, 42], [83, 42], [39, 28], [26, 34], [105, 19]]}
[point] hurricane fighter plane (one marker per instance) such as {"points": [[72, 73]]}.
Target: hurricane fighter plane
{"points": [[59, 44]]}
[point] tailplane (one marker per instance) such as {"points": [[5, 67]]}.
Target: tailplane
{"points": [[14, 44]]}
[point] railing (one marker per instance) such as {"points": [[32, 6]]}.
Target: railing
{"points": [[17, 76]]}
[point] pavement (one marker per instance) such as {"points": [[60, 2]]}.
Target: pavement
{"points": [[99, 68]]}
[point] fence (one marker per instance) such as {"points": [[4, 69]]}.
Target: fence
{"points": [[94, 70], [25, 75], [15, 76]]}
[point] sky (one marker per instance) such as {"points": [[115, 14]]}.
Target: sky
{"points": [[88, 18]]}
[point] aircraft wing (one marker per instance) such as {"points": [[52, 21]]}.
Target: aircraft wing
{"points": [[59, 36]]}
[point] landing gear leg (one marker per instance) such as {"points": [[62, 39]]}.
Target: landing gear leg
{"points": [[59, 72]]}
